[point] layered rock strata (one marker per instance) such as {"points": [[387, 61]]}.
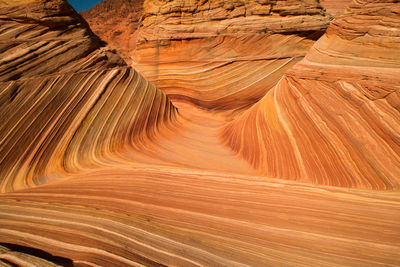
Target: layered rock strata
{"points": [[224, 55], [14, 255], [172, 217], [333, 119], [180, 20], [66, 102], [139, 185]]}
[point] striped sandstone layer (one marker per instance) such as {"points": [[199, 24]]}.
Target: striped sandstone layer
{"points": [[66, 102], [14, 255], [333, 119], [138, 189], [117, 22], [224, 55], [176, 217]]}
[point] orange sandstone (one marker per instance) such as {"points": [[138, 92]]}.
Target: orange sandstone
{"points": [[333, 119], [98, 168]]}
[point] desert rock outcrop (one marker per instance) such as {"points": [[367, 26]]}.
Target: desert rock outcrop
{"points": [[127, 179], [175, 217], [224, 55], [66, 102], [116, 22], [335, 7], [333, 119]]}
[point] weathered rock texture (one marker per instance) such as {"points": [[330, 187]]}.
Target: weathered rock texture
{"points": [[334, 118], [14, 255], [126, 180], [161, 216], [116, 22], [65, 102], [5, 3], [179, 20], [224, 55], [335, 7]]}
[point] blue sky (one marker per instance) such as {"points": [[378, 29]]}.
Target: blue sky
{"points": [[82, 5]]}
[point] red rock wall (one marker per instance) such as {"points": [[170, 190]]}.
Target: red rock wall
{"points": [[116, 22]]}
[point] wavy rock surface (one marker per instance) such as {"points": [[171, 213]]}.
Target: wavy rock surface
{"points": [[126, 180], [179, 20], [12, 255], [66, 102], [116, 22], [48, 37], [175, 217], [333, 119], [224, 55]]}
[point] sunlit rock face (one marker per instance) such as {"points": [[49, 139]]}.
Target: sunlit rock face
{"points": [[178, 20], [224, 55], [334, 118], [335, 7], [66, 102], [116, 22], [127, 179], [48, 37], [8, 3]]}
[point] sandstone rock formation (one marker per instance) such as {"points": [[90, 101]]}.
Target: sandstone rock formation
{"points": [[66, 102], [162, 216], [224, 55], [334, 118], [179, 20], [13, 255], [126, 179], [116, 22], [335, 7]]}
